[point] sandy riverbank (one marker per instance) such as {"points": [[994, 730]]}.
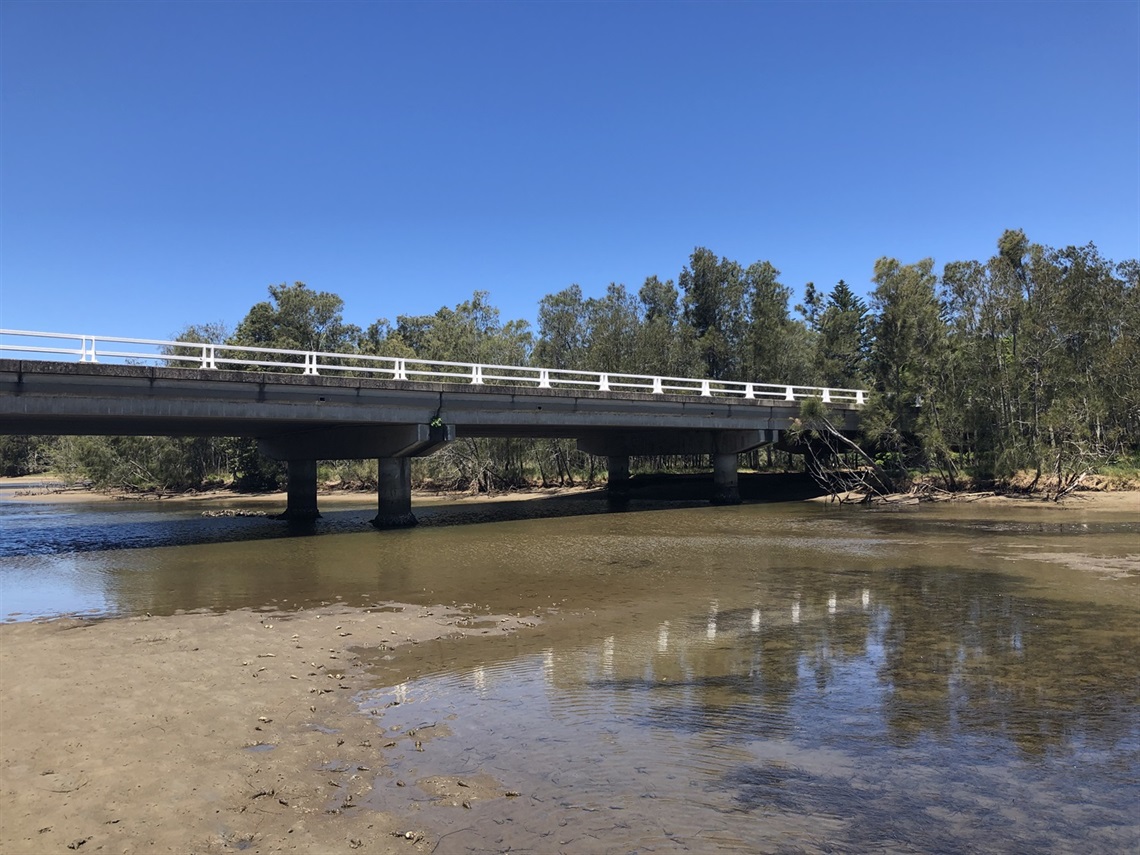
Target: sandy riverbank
{"points": [[1118, 501], [41, 489], [37, 489], [202, 733]]}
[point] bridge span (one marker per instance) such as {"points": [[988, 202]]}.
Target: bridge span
{"points": [[303, 407]]}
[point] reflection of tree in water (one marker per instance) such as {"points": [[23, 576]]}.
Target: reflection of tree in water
{"points": [[948, 711], [966, 651], [940, 652]]}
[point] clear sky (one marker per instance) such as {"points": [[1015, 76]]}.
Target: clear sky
{"points": [[164, 162]]}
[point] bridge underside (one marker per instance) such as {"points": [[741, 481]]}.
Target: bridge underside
{"points": [[302, 419]]}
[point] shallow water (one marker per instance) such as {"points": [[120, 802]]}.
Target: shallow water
{"points": [[766, 678]]}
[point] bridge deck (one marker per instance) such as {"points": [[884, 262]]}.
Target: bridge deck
{"points": [[47, 397]]}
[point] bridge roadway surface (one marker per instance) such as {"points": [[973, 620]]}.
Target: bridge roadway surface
{"points": [[305, 418]]}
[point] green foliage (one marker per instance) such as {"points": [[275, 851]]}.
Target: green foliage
{"points": [[139, 463], [1030, 360], [715, 308], [612, 324], [297, 318], [253, 472], [841, 350], [665, 346], [26, 455], [471, 332], [1043, 359], [562, 329]]}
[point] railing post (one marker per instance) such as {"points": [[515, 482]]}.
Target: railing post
{"points": [[88, 349], [603, 382], [400, 372], [789, 395], [859, 401], [827, 396], [311, 364], [543, 378], [657, 390], [208, 357], [749, 392], [476, 375], [706, 390]]}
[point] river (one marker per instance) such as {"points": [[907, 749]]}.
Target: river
{"points": [[781, 677]]}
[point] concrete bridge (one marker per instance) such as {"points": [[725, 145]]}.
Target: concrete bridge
{"points": [[303, 407]]}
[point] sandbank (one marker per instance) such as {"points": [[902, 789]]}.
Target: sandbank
{"points": [[202, 733]]}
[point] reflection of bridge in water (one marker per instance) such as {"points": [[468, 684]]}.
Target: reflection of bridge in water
{"points": [[953, 657], [305, 406]]}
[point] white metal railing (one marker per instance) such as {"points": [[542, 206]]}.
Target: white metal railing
{"points": [[89, 348]]}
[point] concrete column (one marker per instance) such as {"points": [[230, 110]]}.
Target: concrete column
{"points": [[725, 485], [617, 482], [394, 493], [301, 492]]}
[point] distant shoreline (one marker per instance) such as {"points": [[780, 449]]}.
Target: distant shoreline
{"points": [[40, 489]]}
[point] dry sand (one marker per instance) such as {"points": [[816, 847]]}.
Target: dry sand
{"points": [[200, 733]]}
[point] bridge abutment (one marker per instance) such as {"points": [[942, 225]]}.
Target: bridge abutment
{"points": [[301, 492], [394, 493]]}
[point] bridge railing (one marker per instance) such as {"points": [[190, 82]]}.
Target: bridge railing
{"points": [[209, 356]]}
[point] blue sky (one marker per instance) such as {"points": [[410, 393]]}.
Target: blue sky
{"points": [[164, 162]]}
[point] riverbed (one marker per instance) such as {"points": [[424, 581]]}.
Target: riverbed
{"points": [[561, 676]]}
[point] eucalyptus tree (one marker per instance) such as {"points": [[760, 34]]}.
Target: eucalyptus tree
{"points": [[1121, 361], [26, 455], [294, 318], [562, 329], [298, 318], [1076, 320], [908, 344], [974, 389], [470, 332], [612, 323], [665, 346], [777, 347], [382, 339], [714, 306]]}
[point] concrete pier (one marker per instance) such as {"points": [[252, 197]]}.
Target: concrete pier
{"points": [[394, 493], [726, 488], [617, 480], [722, 445], [301, 492]]}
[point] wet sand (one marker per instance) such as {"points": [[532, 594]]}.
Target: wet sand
{"points": [[204, 733]]}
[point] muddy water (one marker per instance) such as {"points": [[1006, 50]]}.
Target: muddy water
{"points": [[781, 677]]}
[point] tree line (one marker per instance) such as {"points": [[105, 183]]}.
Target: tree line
{"points": [[1028, 362]]}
